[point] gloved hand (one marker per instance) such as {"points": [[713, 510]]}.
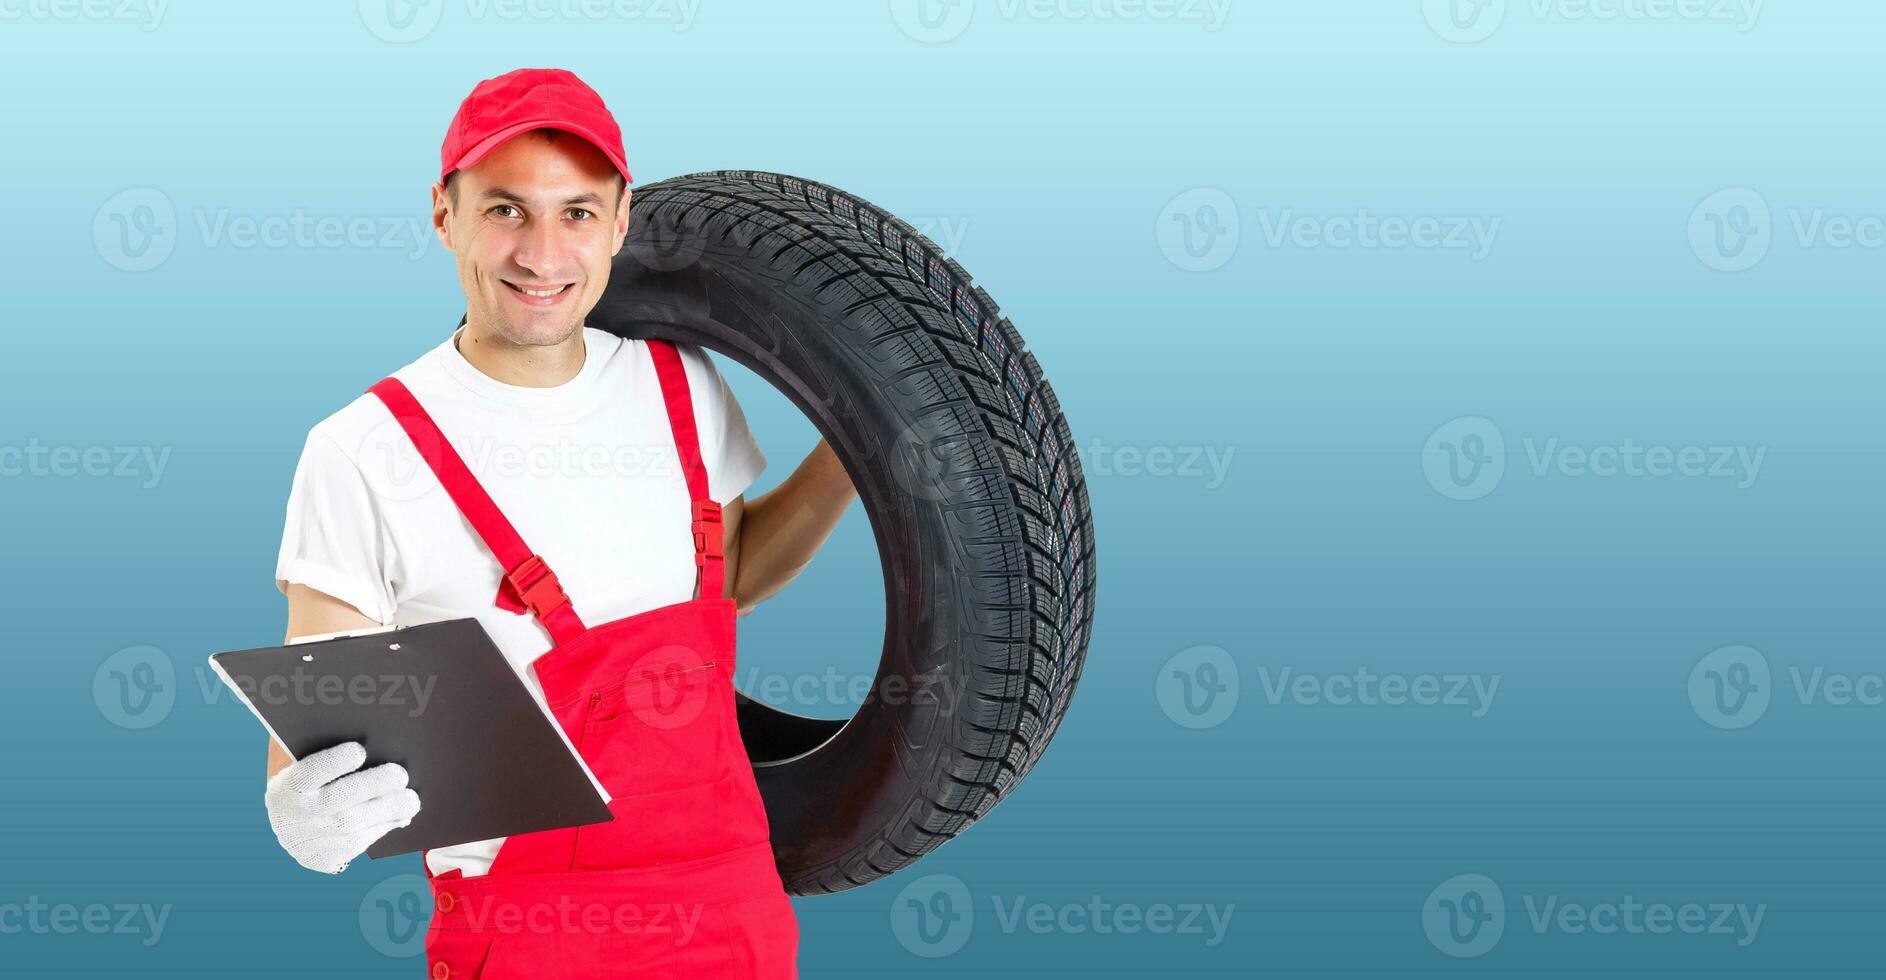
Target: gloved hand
{"points": [[325, 814]]}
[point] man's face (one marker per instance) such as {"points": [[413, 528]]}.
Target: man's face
{"points": [[535, 214]]}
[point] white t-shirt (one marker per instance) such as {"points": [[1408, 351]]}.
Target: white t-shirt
{"points": [[585, 471]]}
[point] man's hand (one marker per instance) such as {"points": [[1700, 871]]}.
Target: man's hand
{"points": [[772, 538], [325, 813]]}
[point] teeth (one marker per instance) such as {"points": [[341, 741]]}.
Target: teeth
{"points": [[541, 292]]}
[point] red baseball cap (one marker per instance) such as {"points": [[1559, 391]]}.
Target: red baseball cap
{"points": [[526, 99]]}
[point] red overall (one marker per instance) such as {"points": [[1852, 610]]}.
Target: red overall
{"points": [[681, 883]]}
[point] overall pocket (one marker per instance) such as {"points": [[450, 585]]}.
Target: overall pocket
{"points": [[657, 729], [657, 740]]}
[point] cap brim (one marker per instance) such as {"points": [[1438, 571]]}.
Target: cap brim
{"points": [[489, 143]]}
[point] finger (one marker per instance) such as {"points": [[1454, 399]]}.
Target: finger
{"points": [[379, 830], [357, 788], [311, 772], [391, 808]]}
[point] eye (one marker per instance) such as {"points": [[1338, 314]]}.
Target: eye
{"points": [[581, 211], [501, 207]]}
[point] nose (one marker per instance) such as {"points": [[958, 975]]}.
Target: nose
{"points": [[539, 250]]}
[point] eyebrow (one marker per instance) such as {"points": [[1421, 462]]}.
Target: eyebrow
{"points": [[501, 194]]}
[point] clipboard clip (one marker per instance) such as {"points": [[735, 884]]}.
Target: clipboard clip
{"points": [[533, 586]]}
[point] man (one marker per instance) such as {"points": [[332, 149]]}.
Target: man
{"points": [[612, 459]]}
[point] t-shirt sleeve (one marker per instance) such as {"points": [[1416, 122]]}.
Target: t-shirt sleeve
{"points": [[732, 455], [331, 540]]}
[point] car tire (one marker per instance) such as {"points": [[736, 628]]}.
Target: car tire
{"points": [[964, 464]]}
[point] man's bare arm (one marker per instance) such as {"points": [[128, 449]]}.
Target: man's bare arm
{"points": [[311, 612], [772, 538]]}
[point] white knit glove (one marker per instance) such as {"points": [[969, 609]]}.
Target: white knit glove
{"points": [[325, 814]]}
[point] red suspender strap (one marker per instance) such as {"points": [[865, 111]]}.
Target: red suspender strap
{"points": [[709, 558], [527, 582]]}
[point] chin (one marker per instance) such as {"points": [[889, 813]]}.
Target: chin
{"points": [[531, 332]]}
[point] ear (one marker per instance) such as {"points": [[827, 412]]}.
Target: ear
{"points": [[622, 221], [442, 215]]}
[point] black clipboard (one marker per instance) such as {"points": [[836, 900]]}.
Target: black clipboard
{"points": [[439, 699]]}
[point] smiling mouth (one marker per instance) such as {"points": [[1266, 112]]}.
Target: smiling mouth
{"points": [[538, 293]]}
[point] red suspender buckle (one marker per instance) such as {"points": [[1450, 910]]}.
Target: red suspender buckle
{"points": [[708, 537], [532, 585]]}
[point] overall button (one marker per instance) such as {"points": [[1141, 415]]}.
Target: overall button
{"points": [[445, 902], [441, 972]]}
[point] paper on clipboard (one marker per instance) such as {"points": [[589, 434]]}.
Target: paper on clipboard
{"points": [[535, 690]]}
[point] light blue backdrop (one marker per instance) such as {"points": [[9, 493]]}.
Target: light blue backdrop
{"points": [[1481, 402]]}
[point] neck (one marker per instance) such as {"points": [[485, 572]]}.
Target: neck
{"points": [[521, 365]]}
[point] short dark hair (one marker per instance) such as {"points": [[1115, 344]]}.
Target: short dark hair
{"points": [[551, 134]]}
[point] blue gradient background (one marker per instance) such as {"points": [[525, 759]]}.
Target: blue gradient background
{"points": [[1059, 151]]}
